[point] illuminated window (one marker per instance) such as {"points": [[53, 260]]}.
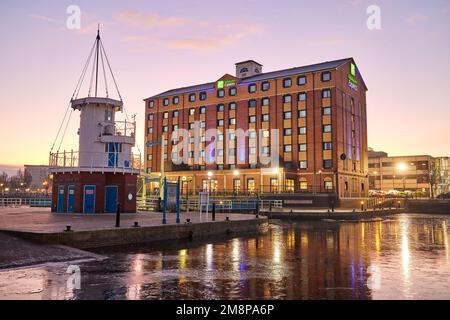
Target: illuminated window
{"points": [[192, 111], [165, 115], [251, 184], [265, 133], [303, 184], [236, 185], [328, 184], [289, 185]]}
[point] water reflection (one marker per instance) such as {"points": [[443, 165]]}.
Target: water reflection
{"points": [[402, 257]]}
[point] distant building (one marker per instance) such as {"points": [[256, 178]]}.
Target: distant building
{"points": [[39, 175], [401, 173], [442, 165]]}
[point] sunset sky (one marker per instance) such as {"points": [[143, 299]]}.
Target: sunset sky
{"points": [[158, 45]]}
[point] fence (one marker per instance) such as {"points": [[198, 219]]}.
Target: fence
{"points": [[32, 202]]}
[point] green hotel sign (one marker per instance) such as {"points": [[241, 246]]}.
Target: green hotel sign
{"points": [[352, 78], [225, 83]]}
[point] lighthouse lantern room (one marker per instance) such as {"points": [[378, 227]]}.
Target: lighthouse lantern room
{"points": [[102, 174]]}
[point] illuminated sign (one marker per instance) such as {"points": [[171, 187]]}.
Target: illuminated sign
{"points": [[225, 83], [352, 79]]}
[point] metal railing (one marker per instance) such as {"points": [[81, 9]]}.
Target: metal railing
{"points": [[267, 204], [73, 160], [118, 128], [32, 202]]}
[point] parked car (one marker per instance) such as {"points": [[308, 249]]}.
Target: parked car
{"points": [[444, 196]]}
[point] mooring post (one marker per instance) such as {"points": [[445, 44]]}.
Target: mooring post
{"points": [[178, 200], [164, 221], [118, 215]]}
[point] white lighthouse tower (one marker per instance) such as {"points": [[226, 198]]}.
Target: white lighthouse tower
{"points": [[102, 174]]}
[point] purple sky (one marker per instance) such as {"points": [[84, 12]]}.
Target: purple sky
{"points": [[158, 45]]}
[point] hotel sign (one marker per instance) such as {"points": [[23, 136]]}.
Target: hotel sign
{"points": [[352, 78], [225, 83]]}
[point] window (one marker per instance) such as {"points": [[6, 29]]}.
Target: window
{"points": [[265, 117], [301, 96], [150, 117], [191, 125], [220, 108], [265, 133], [303, 184], [252, 150], [287, 83], [175, 100], [232, 91], [232, 121], [326, 93], [302, 113], [326, 111], [287, 98], [265, 101], [252, 119], [301, 80], [302, 130], [287, 148], [327, 164], [273, 185], [165, 129], [236, 185], [325, 76], [287, 131], [265, 86], [202, 110], [265, 150], [302, 147], [192, 97], [150, 130], [252, 103], [220, 137], [231, 152], [165, 101], [252, 88], [220, 122], [326, 128], [220, 93], [232, 106], [175, 113], [202, 96], [252, 134], [327, 146], [287, 115], [328, 184], [202, 124], [149, 157], [191, 111], [174, 127], [165, 115], [303, 164], [232, 136], [151, 103], [289, 183], [243, 70], [251, 184]]}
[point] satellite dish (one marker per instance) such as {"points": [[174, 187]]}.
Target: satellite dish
{"points": [[343, 156]]}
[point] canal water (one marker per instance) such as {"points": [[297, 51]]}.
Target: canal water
{"points": [[400, 257]]}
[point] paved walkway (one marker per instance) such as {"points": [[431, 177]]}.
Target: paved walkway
{"points": [[42, 220]]}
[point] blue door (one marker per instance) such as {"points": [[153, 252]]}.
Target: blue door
{"points": [[60, 204], [111, 199], [113, 152], [89, 199], [70, 198]]}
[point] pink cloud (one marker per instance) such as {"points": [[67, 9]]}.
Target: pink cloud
{"points": [[416, 18], [139, 20]]}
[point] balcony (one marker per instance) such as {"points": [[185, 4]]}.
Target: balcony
{"points": [[118, 131], [75, 161]]}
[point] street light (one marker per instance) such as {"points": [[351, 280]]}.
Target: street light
{"points": [[236, 173]]}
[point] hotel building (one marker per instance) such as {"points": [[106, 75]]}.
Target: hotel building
{"points": [[319, 112]]}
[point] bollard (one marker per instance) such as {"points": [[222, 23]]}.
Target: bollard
{"points": [[213, 212], [270, 206], [68, 229], [188, 220], [227, 218], [118, 216], [257, 209], [136, 224]]}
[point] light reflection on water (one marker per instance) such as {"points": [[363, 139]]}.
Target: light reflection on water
{"points": [[407, 254]]}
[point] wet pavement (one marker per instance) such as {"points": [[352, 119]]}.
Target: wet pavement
{"points": [[43, 221], [405, 256]]}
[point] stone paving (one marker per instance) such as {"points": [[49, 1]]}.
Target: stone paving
{"points": [[42, 220]]}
